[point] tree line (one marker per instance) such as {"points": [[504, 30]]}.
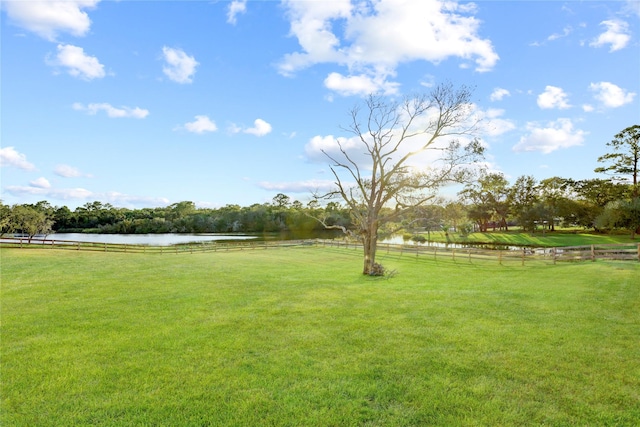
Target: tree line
{"points": [[490, 203], [280, 215]]}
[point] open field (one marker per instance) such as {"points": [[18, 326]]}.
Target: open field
{"points": [[296, 336], [538, 239]]}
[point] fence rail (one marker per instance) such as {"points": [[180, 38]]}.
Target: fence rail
{"points": [[622, 251], [615, 251], [213, 246]]}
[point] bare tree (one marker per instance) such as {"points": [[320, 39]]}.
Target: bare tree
{"points": [[393, 136]]}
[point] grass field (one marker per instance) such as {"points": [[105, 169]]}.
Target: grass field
{"points": [[297, 337], [539, 239]]}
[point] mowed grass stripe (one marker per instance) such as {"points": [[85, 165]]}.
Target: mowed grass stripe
{"points": [[297, 336]]}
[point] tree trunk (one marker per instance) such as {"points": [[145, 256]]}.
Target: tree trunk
{"points": [[370, 244]]}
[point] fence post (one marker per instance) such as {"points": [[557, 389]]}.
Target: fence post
{"points": [[553, 250], [453, 254], [593, 254], [500, 257], [638, 251], [523, 255]]}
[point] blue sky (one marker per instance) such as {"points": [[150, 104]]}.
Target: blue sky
{"points": [[148, 103]]}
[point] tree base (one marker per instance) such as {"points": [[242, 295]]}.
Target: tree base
{"points": [[376, 270]]}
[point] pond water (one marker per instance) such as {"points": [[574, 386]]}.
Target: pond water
{"points": [[170, 239], [166, 239], [399, 240]]}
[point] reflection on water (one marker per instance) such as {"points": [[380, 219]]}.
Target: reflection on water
{"points": [[166, 239], [400, 240], [170, 239]]}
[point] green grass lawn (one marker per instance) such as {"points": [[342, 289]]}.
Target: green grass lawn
{"points": [[548, 239], [297, 337]]}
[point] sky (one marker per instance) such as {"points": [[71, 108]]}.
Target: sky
{"points": [[149, 103]]}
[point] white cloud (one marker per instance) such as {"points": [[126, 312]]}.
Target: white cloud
{"points": [[498, 94], [234, 128], [556, 135], [120, 199], [309, 186], [41, 182], [492, 123], [565, 32], [201, 125], [61, 194], [617, 35], [113, 112], [632, 7], [319, 148], [360, 84], [78, 64], [10, 157], [587, 108], [428, 80], [180, 67], [379, 36], [113, 197], [47, 18], [67, 171], [260, 128], [236, 7], [553, 97], [318, 145], [610, 95]]}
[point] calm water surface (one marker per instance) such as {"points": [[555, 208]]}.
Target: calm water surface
{"points": [[166, 239]]}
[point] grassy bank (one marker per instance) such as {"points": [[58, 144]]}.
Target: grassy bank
{"points": [[297, 337], [538, 239]]}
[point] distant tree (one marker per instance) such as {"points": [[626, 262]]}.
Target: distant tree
{"points": [[454, 214], [488, 200], [282, 201], [391, 135], [523, 199], [5, 218], [63, 218], [181, 209], [624, 162], [621, 214], [554, 195], [429, 217], [29, 221], [625, 158]]}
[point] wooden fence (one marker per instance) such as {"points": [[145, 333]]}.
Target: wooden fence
{"points": [[623, 251], [211, 246]]}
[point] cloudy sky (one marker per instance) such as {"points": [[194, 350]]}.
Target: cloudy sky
{"points": [[148, 103]]}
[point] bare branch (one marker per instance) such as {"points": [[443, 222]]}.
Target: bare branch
{"points": [[383, 129]]}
